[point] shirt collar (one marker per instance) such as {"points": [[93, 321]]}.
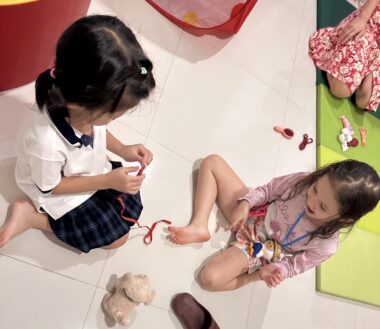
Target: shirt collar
{"points": [[59, 121]]}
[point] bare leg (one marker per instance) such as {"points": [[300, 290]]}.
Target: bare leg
{"points": [[216, 181], [227, 270], [364, 92], [22, 217], [338, 88]]}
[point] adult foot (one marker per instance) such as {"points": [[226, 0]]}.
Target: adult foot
{"points": [[20, 219], [188, 234]]}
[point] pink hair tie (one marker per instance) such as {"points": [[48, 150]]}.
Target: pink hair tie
{"points": [[52, 73]]}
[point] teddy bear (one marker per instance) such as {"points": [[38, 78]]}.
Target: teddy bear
{"points": [[128, 292]]}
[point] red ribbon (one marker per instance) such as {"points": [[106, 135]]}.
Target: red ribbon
{"points": [[149, 236]]}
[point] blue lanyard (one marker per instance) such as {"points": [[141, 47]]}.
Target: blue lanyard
{"points": [[283, 244]]}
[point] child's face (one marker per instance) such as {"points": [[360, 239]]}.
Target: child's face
{"points": [[321, 206]]}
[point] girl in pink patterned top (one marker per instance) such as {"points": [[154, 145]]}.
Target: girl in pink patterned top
{"points": [[304, 213], [350, 55]]}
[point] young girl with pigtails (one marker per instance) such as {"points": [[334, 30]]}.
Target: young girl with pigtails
{"points": [[100, 73]]}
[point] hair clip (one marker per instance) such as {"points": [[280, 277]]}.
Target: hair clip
{"points": [[52, 73], [143, 70]]}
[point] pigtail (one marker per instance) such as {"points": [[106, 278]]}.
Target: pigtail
{"points": [[44, 84], [48, 92]]}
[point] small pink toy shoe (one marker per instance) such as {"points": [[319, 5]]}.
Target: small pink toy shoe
{"points": [[286, 132]]}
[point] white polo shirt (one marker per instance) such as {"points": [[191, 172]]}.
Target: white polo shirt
{"points": [[49, 148]]}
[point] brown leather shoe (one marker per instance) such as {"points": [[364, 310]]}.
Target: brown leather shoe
{"points": [[191, 313]]}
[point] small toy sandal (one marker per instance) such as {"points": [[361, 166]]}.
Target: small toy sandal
{"points": [[286, 132], [363, 136]]}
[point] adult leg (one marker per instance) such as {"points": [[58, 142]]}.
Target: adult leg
{"points": [[338, 88], [227, 270], [364, 92], [216, 181], [22, 216]]}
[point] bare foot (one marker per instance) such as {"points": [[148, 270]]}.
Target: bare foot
{"points": [[19, 220], [188, 234]]}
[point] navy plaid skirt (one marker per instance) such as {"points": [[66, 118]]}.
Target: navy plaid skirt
{"points": [[97, 221]]}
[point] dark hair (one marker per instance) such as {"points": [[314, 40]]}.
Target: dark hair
{"points": [[99, 64], [357, 190]]}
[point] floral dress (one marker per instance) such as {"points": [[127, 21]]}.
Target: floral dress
{"points": [[352, 61]]}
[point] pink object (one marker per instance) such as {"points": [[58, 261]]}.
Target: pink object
{"points": [[52, 73], [353, 143], [347, 124], [361, 54], [286, 132]]}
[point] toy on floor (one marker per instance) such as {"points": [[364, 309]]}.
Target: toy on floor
{"points": [[345, 138], [286, 132], [270, 250], [306, 140], [148, 237], [354, 142], [128, 292], [363, 136], [346, 124]]}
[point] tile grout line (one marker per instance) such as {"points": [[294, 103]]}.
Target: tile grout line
{"points": [[291, 80], [249, 309], [97, 287], [163, 87], [47, 270], [171, 151]]}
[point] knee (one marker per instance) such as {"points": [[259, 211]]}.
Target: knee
{"points": [[118, 243], [337, 88], [361, 102], [209, 279], [211, 160], [362, 98]]}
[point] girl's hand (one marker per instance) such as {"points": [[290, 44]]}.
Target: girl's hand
{"points": [[118, 179], [355, 29], [271, 274], [239, 215], [136, 152]]}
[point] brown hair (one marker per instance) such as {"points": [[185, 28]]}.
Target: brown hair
{"points": [[357, 188]]}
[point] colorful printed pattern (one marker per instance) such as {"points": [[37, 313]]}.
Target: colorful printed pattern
{"points": [[352, 61]]}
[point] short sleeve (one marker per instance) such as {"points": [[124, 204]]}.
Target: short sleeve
{"points": [[46, 174]]}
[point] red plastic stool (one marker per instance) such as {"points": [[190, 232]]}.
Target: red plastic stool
{"points": [[29, 31]]}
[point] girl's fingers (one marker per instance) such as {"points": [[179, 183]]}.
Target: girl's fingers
{"points": [[360, 35]]}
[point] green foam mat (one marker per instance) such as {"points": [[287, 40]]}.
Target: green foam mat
{"points": [[354, 271]]}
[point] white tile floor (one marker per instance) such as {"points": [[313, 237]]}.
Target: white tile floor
{"points": [[213, 96]]}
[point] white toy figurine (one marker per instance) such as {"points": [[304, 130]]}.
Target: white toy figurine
{"points": [[345, 137]]}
